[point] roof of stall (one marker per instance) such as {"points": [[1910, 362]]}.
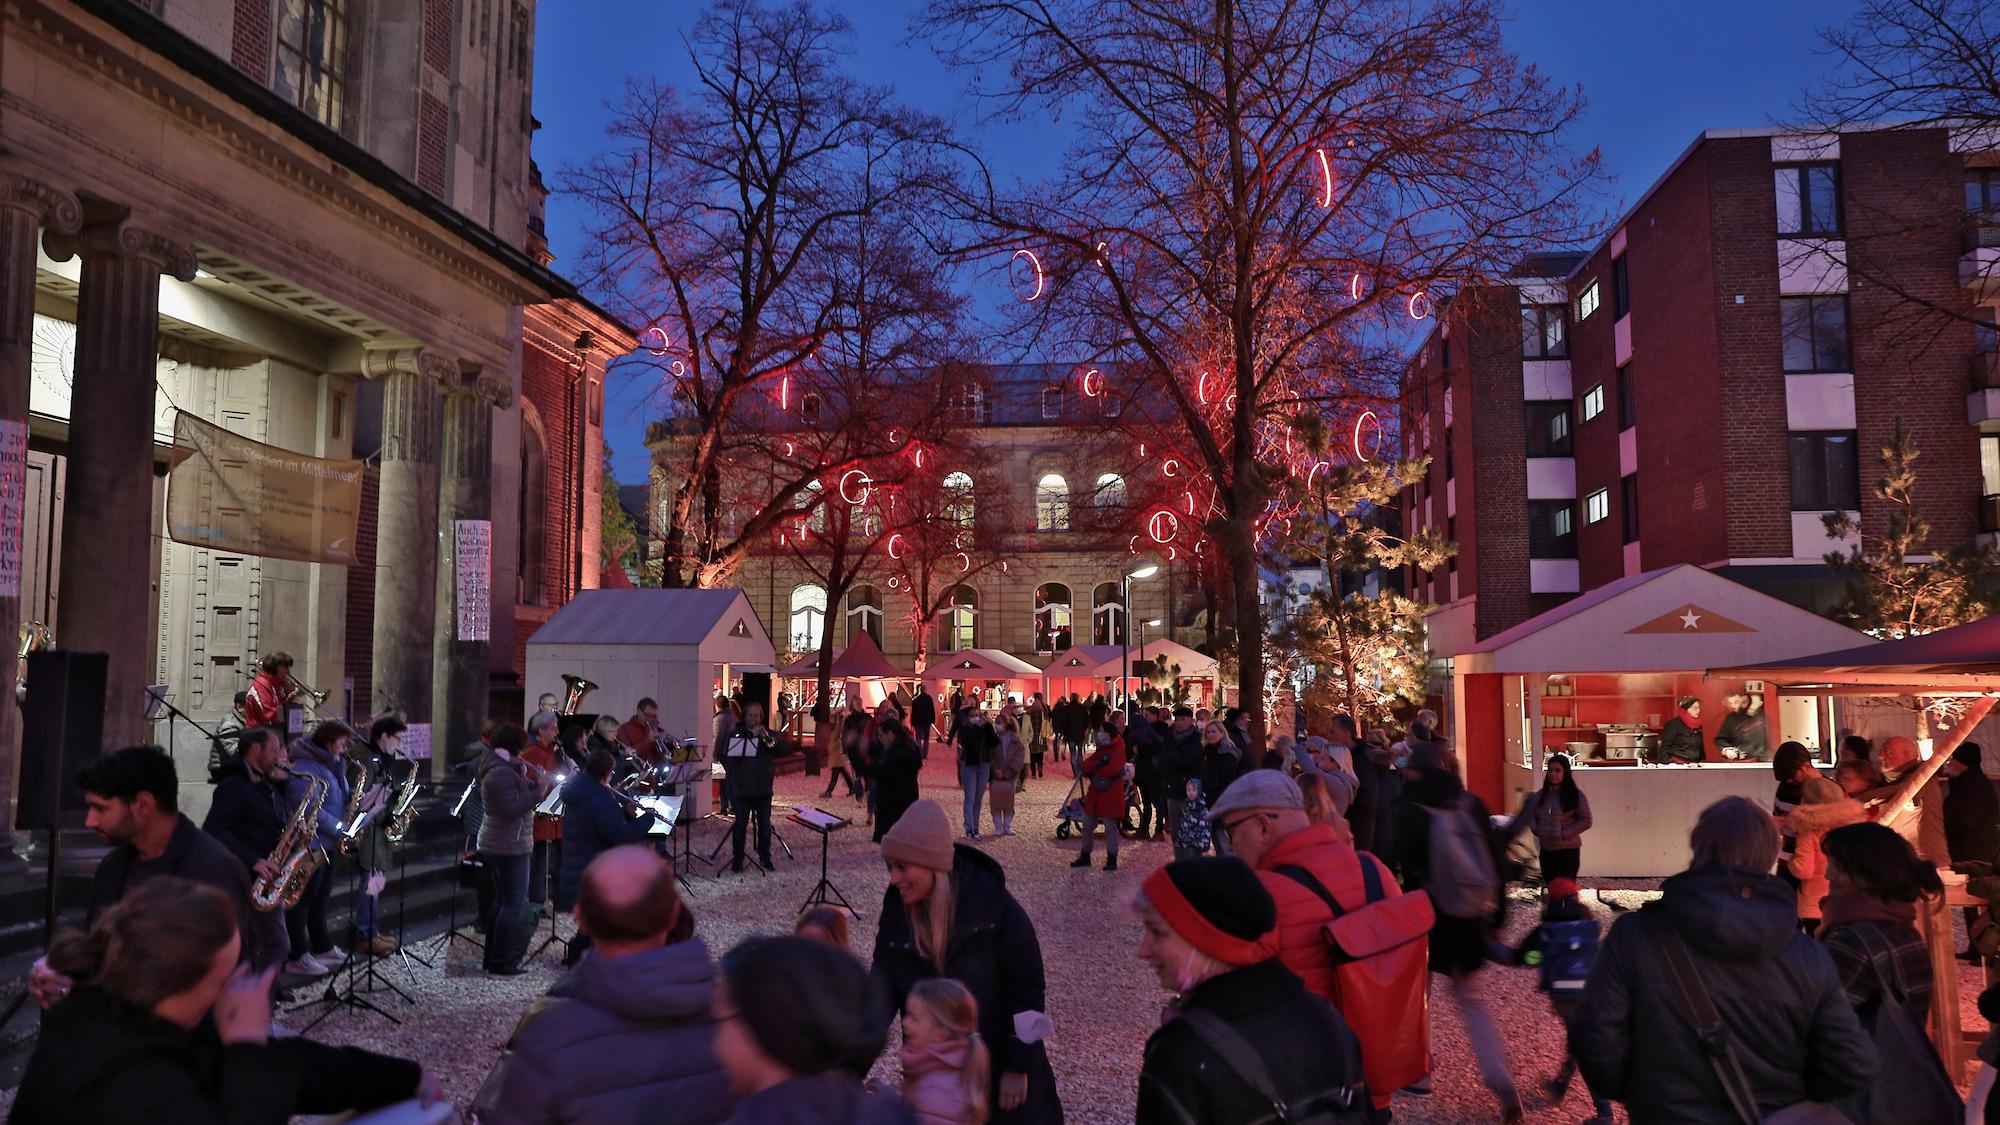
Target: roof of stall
{"points": [[1676, 619], [980, 664], [860, 660], [649, 617], [1966, 657]]}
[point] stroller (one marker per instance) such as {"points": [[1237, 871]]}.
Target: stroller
{"points": [[1069, 817]]}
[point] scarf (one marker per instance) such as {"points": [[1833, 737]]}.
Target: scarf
{"points": [[1844, 907], [1692, 722]]}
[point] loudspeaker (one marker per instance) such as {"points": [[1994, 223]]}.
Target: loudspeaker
{"points": [[62, 730]]}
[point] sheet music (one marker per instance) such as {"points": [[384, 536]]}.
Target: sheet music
{"points": [[552, 805], [818, 819], [665, 810]]}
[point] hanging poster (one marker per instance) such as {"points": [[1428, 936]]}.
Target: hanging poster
{"points": [[229, 493], [13, 503], [475, 580]]}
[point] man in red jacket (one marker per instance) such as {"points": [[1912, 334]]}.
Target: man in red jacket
{"points": [[1263, 816]]}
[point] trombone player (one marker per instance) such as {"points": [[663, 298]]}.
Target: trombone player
{"points": [[270, 689]]}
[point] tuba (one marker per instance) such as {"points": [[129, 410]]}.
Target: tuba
{"points": [[574, 689], [295, 856], [353, 820], [403, 807]]}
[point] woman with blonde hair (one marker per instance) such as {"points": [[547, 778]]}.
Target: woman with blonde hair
{"points": [[946, 1067], [1323, 805], [947, 913], [1010, 766]]}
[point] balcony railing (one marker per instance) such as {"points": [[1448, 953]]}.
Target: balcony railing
{"points": [[1982, 230]]}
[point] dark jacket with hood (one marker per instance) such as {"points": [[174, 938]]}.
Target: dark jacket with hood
{"points": [[619, 1041], [108, 1063], [1458, 945], [509, 796], [1311, 1055], [821, 1099], [1179, 760], [593, 822], [1972, 818], [247, 816], [896, 767], [1776, 990], [994, 953]]}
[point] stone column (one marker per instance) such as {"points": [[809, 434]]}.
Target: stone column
{"points": [[406, 528], [106, 601], [461, 668], [26, 205]]}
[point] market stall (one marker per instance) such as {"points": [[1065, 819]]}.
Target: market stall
{"points": [[860, 670], [994, 675], [1196, 672], [1080, 670], [681, 648], [1601, 676]]}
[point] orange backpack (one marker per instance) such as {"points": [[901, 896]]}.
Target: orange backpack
{"points": [[1381, 973]]}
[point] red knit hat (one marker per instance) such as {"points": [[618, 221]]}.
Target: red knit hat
{"points": [[1218, 904]]}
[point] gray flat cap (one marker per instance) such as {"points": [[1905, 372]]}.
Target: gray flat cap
{"points": [[1258, 789]]}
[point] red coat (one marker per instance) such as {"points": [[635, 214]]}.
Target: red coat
{"points": [[264, 703], [1107, 762]]}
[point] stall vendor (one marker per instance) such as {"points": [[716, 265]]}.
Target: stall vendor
{"points": [[1742, 735], [1680, 738]]}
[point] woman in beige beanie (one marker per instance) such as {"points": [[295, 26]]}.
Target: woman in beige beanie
{"points": [[947, 913]]}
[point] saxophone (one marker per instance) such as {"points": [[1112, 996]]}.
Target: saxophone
{"points": [[403, 807], [295, 856], [352, 819]]}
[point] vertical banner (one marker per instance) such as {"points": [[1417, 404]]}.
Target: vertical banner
{"points": [[475, 579], [416, 744], [13, 502]]}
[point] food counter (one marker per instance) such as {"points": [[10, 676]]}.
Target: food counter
{"points": [[1641, 814]]}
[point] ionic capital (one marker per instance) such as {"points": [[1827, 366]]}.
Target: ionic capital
{"points": [[382, 362], [125, 237], [53, 207]]}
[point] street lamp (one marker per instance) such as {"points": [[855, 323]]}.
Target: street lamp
{"points": [[1125, 651]]}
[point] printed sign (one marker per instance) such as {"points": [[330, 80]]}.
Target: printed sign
{"points": [[475, 580], [229, 493], [417, 742], [13, 503]]}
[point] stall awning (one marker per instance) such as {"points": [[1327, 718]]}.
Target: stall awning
{"points": [[1678, 618], [1963, 658], [860, 660]]}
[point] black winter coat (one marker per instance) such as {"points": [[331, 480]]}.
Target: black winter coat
{"points": [[1458, 945], [1142, 745], [750, 775], [1365, 812], [1776, 990], [1680, 742], [923, 711], [822, 1099], [1972, 818], [246, 816], [895, 769], [994, 953], [623, 1041], [593, 822], [1179, 760], [104, 1062], [1304, 1044], [191, 854], [976, 743]]}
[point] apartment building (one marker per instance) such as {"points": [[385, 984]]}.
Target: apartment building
{"points": [[1717, 375]]}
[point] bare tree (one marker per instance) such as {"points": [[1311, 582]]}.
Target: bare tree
{"points": [[719, 212], [1263, 191]]}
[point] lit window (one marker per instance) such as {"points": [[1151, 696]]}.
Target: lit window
{"points": [[1052, 503], [1586, 302], [961, 619], [1110, 491], [1593, 401], [1597, 506], [958, 499], [1107, 615], [312, 56], [808, 617], [864, 614], [809, 502]]}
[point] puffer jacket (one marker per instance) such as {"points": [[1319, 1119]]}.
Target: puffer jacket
{"points": [[934, 1082], [509, 798], [619, 1041], [1554, 829], [1808, 826], [1776, 990], [310, 761], [992, 950]]}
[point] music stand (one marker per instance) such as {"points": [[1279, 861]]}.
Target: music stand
{"points": [[354, 998], [825, 824]]}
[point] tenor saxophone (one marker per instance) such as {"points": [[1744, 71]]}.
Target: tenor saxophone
{"points": [[295, 855], [353, 820], [403, 807]]}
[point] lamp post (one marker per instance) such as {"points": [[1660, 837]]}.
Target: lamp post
{"points": [[1125, 651]]}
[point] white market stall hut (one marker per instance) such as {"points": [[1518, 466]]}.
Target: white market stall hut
{"points": [[1617, 658], [996, 675], [679, 647], [1197, 671]]}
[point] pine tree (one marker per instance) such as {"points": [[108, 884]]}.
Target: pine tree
{"points": [[1897, 586]]}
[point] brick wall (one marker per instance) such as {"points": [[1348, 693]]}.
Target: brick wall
{"points": [[361, 594], [250, 39], [545, 382], [1903, 198], [433, 139], [1748, 353], [1492, 448], [438, 37]]}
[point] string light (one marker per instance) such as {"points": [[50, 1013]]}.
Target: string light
{"points": [[1367, 418], [1035, 263], [1326, 179], [894, 539], [1419, 300], [1171, 468], [1093, 383], [1163, 526], [655, 333], [849, 478]]}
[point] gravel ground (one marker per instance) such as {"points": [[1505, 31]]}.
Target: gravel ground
{"points": [[1103, 1000]]}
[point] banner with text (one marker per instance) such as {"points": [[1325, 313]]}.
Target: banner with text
{"points": [[475, 580], [229, 493]]}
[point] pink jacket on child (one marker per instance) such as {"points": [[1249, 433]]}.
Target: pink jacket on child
{"points": [[934, 1083]]}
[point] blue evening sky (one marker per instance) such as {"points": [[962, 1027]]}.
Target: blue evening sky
{"points": [[1655, 75]]}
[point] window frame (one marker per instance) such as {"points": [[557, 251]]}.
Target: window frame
{"points": [[1052, 503], [1628, 507], [1591, 404], [1588, 296], [1596, 506], [1052, 401], [1621, 288], [1799, 171], [1824, 498], [796, 609], [1540, 316], [1059, 615], [331, 70], [1549, 539], [868, 610], [1813, 342], [1540, 416], [1628, 398], [960, 620]]}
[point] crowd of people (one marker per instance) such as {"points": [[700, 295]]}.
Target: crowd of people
{"points": [[1316, 887]]}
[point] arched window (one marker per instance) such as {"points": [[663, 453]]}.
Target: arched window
{"points": [[808, 617], [531, 545], [961, 620], [1052, 617], [1110, 490], [1052, 503], [864, 614], [1107, 615], [958, 505]]}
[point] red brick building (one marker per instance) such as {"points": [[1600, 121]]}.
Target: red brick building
{"points": [[1716, 376]]}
